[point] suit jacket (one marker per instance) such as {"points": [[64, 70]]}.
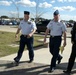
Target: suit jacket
{"points": [[73, 33]]}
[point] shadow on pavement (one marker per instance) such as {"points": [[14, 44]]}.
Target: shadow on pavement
{"points": [[32, 69]]}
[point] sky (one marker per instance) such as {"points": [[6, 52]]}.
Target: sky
{"points": [[46, 8]]}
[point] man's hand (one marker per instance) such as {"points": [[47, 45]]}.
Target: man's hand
{"points": [[18, 30], [30, 35], [44, 40], [46, 32], [16, 36], [64, 44]]}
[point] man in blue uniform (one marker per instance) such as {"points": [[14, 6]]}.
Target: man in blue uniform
{"points": [[56, 28], [73, 53], [27, 30]]}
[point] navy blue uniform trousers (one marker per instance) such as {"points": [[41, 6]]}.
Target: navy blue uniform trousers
{"points": [[25, 41], [72, 58], [54, 45]]}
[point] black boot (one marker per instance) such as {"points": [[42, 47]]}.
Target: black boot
{"points": [[67, 72], [59, 60], [16, 61]]}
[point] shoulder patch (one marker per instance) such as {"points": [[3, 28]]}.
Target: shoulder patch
{"points": [[21, 23], [29, 22], [62, 21], [51, 22]]}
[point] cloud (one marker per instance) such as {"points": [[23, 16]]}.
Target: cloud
{"points": [[60, 0], [13, 12], [45, 5], [5, 3], [43, 0], [58, 8], [68, 17], [52, 1], [71, 0], [27, 3], [66, 0], [62, 17], [67, 8]]}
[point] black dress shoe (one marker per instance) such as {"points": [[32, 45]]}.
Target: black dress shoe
{"points": [[16, 62], [67, 72], [60, 60], [51, 70], [30, 61]]}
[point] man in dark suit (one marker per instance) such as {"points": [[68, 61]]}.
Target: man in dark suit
{"points": [[73, 53]]}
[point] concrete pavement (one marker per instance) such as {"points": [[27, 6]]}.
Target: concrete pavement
{"points": [[8, 28], [42, 55]]}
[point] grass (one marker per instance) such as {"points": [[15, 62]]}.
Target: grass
{"points": [[8, 38]]}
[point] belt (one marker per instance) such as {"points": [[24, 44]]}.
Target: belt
{"points": [[54, 36], [24, 35]]}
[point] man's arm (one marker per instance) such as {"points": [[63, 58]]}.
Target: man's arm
{"points": [[72, 35], [64, 34], [18, 30], [31, 34], [46, 33]]}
